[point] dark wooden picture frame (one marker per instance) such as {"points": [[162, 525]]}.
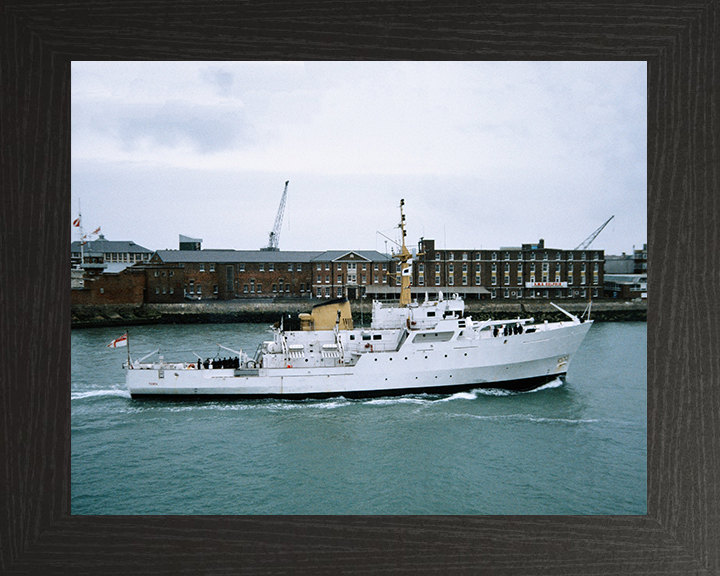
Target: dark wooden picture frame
{"points": [[681, 532]]}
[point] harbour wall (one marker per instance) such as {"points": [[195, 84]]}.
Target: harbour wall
{"points": [[270, 311]]}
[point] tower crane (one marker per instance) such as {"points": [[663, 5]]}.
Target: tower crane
{"points": [[274, 239], [585, 243]]}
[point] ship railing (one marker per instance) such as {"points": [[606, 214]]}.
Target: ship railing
{"points": [[479, 325]]}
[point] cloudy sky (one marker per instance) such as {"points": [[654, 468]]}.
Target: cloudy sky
{"points": [[485, 154]]}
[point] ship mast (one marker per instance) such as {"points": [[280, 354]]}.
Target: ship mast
{"points": [[404, 257]]}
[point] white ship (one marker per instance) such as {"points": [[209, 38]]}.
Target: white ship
{"points": [[428, 347]]}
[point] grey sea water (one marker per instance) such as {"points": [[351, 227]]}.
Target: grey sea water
{"points": [[578, 447]]}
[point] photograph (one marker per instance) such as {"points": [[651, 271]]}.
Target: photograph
{"points": [[340, 288]]}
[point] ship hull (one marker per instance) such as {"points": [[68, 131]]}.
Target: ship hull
{"points": [[519, 362]]}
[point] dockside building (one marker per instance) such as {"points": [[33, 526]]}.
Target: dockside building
{"points": [[528, 271]]}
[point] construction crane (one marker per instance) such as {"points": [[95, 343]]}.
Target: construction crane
{"points": [[274, 240], [585, 243]]}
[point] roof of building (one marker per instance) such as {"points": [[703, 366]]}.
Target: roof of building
{"points": [[103, 246], [344, 255], [626, 278], [173, 256], [188, 239]]}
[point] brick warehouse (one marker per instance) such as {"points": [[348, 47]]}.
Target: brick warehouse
{"points": [[230, 274], [530, 271]]}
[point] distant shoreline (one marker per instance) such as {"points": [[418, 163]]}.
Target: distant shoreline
{"points": [[220, 312]]}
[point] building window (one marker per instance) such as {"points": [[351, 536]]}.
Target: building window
{"points": [[507, 279], [212, 267], [339, 292], [245, 288], [545, 256], [157, 290], [451, 256], [494, 267], [327, 265], [451, 280], [421, 280], [339, 279], [252, 286], [319, 292], [570, 278], [376, 279], [299, 267], [290, 267], [364, 279], [202, 267], [437, 280], [437, 256], [519, 280], [507, 293], [582, 257], [494, 280], [172, 290], [259, 288], [319, 266], [262, 267], [477, 280], [271, 267], [507, 255], [327, 278], [215, 288], [157, 273], [465, 256], [274, 288], [199, 289], [494, 256], [192, 287]]}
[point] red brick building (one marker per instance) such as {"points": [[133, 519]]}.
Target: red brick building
{"points": [[529, 271], [230, 274]]}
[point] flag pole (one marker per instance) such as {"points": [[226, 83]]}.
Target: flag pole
{"points": [[127, 333]]}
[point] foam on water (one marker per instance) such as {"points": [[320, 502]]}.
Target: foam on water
{"points": [[97, 393], [527, 418]]}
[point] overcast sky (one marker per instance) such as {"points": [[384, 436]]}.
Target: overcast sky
{"points": [[485, 154]]}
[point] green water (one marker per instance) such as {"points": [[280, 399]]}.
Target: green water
{"points": [[578, 447]]}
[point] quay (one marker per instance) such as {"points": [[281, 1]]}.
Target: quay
{"points": [[270, 311]]}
